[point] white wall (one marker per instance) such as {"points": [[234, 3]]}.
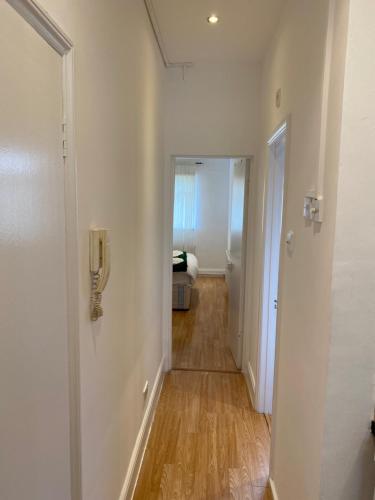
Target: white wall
{"points": [[325, 353], [348, 468], [214, 111], [295, 63], [212, 214], [119, 100]]}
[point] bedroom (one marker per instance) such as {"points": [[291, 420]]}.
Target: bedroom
{"points": [[208, 268]]}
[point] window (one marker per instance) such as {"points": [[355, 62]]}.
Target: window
{"points": [[184, 217]]}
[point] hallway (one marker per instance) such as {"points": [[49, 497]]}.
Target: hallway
{"points": [[206, 441], [243, 132], [200, 335]]}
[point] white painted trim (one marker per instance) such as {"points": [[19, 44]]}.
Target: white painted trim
{"points": [[43, 24], [283, 252], [211, 272], [276, 136], [279, 132], [250, 267], [252, 378], [72, 258], [136, 458], [246, 260], [168, 238], [249, 385], [274, 494], [167, 270], [38, 18], [328, 55], [215, 157]]}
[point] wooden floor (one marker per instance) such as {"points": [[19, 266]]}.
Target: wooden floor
{"points": [[200, 335], [206, 442]]}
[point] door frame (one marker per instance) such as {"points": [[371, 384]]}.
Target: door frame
{"points": [[283, 129], [244, 260], [168, 250], [49, 30]]}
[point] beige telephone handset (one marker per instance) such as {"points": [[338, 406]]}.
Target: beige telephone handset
{"points": [[99, 269]]}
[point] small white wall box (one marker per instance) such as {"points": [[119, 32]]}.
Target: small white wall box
{"points": [[313, 207]]}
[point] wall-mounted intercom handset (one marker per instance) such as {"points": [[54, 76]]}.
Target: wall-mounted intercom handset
{"points": [[99, 269]]}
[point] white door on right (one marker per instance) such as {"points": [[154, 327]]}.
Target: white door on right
{"points": [[272, 260], [236, 253]]}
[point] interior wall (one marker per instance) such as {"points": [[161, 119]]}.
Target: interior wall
{"points": [[213, 110], [295, 64], [348, 467], [212, 214], [119, 104]]}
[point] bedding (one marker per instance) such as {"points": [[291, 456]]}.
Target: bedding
{"points": [[183, 281], [191, 273], [179, 261]]}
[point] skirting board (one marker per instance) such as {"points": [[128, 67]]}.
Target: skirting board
{"points": [[250, 382], [211, 272], [273, 489], [136, 459]]}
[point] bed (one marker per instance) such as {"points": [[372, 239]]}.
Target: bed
{"points": [[183, 282]]}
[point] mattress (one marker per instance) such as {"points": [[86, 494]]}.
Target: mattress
{"points": [[188, 277], [183, 284]]}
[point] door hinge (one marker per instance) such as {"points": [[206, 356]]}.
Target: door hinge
{"points": [[276, 304], [64, 141]]}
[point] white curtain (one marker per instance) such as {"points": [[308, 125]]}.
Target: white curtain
{"points": [[185, 212]]}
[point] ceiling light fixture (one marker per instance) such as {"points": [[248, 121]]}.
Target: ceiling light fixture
{"points": [[213, 19]]}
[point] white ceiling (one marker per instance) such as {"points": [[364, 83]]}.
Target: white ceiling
{"points": [[242, 34]]}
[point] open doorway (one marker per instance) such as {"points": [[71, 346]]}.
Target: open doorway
{"points": [[209, 262], [272, 244]]}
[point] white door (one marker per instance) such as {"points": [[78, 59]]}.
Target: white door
{"points": [[272, 261], [34, 406], [236, 256]]}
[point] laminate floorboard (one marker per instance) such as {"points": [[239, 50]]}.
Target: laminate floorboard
{"points": [[206, 442], [200, 335]]}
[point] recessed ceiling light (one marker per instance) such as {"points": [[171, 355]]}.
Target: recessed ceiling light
{"points": [[213, 19]]}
